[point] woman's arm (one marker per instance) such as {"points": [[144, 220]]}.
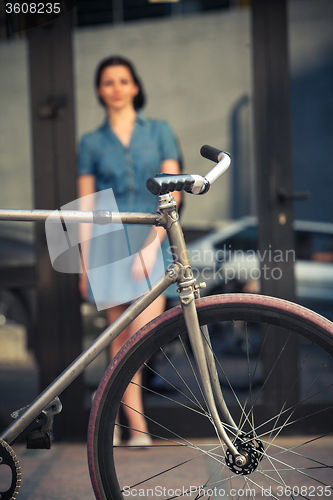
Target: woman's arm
{"points": [[86, 187], [172, 167], [169, 167], [152, 244]]}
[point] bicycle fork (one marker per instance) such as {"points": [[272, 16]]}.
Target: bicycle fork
{"points": [[199, 336], [204, 359]]}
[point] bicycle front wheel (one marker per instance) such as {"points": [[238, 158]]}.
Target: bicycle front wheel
{"points": [[274, 363]]}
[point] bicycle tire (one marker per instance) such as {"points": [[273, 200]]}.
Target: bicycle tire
{"points": [[288, 467]]}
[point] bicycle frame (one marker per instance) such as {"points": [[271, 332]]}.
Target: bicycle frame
{"points": [[180, 271]]}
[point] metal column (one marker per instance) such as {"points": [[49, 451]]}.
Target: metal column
{"points": [[274, 174], [57, 340]]}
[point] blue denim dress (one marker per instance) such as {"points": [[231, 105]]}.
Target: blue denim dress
{"points": [[125, 171]]}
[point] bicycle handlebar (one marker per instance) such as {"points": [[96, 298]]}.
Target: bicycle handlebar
{"points": [[222, 159], [211, 153], [166, 183], [194, 184]]}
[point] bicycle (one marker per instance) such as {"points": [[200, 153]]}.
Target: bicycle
{"points": [[252, 449]]}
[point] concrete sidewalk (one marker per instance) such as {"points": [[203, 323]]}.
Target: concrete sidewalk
{"points": [[62, 472], [57, 474]]}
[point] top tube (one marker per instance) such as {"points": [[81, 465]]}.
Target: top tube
{"points": [[99, 217]]}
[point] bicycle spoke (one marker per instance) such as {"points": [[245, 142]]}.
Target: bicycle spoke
{"points": [[180, 376], [231, 428], [288, 467], [240, 425], [300, 470], [179, 403], [270, 372], [274, 468], [307, 416], [249, 373], [292, 451], [242, 408], [152, 391], [304, 444], [247, 486], [301, 401], [149, 478], [189, 444], [176, 389], [290, 392], [193, 370], [294, 407]]}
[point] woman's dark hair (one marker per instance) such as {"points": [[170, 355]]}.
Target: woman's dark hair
{"points": [[140, 99]]}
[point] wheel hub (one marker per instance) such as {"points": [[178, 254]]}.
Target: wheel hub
{"points": [[251, 452]]}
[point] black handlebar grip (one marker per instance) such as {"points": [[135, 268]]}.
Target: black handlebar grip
{"points": [[210, 153], [166, 183]]}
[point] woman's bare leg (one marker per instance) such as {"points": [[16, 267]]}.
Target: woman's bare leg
{"points": [[133, 395]]}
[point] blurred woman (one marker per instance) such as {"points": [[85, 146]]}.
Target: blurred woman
{"points": [[122, 154]]}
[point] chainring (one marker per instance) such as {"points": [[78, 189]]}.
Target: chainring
{"points": [[8, 457]]}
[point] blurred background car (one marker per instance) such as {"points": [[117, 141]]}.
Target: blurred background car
{"points": [[227, 260], [17, 274]]}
